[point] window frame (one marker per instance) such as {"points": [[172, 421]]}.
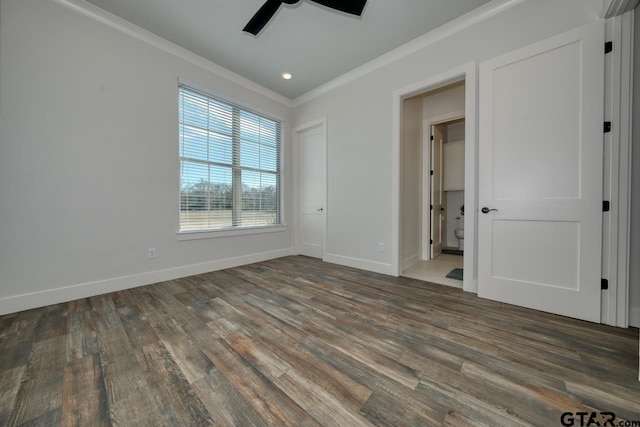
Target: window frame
{"points": [[232, 230]]}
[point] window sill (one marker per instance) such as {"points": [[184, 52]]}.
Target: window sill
{"points": [[229, 232]]}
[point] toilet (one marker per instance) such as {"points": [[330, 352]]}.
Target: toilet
{"points": [[459, 231]]}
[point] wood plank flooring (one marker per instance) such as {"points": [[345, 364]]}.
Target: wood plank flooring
{"points": [[298, 342]]}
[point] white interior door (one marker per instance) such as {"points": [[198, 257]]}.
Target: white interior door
{"points": [[540, 168], [312, 189], [437, 209]]}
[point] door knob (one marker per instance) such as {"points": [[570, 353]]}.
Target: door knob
{"points": [[320, 210], [487, 210]]}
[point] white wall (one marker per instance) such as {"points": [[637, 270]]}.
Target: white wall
{"points": [[412, 181], [455, 199], [361, 117], [634, 265], [88, 160]]}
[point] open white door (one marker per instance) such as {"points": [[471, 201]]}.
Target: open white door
{"points": [[436, 192], [312, 189], [540, 175]]}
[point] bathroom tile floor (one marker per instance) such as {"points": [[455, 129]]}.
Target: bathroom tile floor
{"points": [[435, 270]]}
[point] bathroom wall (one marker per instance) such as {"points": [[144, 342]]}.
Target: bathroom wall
{"points": [[456, 131], [455, 199], [411, 196]]}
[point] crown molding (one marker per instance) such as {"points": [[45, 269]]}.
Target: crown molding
{"points": [[465, 21], [87, 9], [468, 20]]}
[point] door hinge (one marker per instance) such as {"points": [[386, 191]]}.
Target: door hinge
{"points": [[604, 284], [608, 47], [431, 173], [431, 207], [432, 137], [607, 127], [431, 241], [606, 206]]}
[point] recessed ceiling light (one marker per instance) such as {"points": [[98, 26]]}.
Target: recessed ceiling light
{"points": [[287, 76]]}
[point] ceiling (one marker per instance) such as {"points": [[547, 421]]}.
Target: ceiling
{"points": [[313, 43]]}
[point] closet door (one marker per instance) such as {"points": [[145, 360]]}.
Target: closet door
{"points": [[312, 187], [540, 175]]}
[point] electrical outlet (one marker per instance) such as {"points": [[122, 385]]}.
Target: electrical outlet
{"points": [[152, 253], [381, 247]]}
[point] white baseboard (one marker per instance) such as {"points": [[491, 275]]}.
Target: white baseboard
{"points": [[362, 264], [22, 302], [634, 316], [410, 262]]}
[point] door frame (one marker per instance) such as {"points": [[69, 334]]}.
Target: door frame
{"points": [[426, 177], [469, 74], [322, 124], [617, 185]]}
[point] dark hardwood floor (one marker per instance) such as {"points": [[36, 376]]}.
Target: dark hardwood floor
{"points": [[298, 342]]}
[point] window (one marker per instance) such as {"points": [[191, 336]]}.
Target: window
{"points": [[230, 173]]}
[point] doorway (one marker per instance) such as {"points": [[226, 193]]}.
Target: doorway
{"points": [[408, 116], [443, 188], [433, 185]]}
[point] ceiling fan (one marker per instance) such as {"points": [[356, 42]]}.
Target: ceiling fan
{"points": [[270, 7]]}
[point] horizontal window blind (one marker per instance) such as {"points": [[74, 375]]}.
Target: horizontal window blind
{"points": [[230, 174]]}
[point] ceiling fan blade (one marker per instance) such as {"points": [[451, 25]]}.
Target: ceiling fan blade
{"points": [[262, 16], [354, 7]]}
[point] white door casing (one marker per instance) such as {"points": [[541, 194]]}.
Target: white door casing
{"points": [[311, 149], [436, 192], [540, 166]]}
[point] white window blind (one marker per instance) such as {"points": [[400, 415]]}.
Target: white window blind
{"points": [[230, 173]]}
